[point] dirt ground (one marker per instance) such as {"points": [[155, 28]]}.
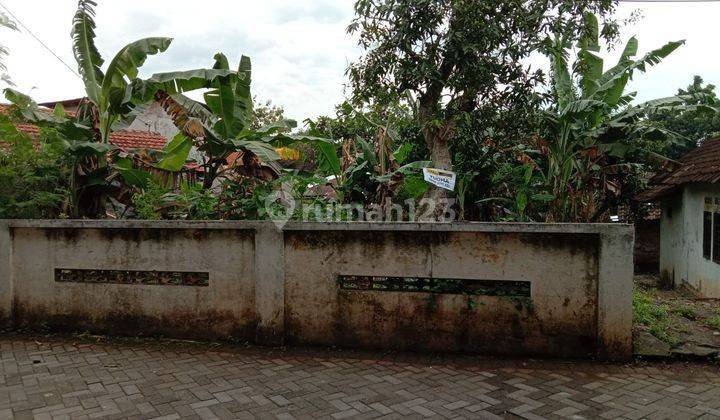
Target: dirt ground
{"points": [[674, 322]]}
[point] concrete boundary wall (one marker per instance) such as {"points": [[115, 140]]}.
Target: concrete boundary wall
{"points": [[250, 281]]}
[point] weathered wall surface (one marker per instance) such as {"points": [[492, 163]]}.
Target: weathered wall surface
{"points": [[275, 287], [225, 308], [559, 317], [673, 258], [701, 274]]}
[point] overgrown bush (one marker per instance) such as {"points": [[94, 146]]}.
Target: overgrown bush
{"points": [[32, 179], [192, 202], [293, 196]]}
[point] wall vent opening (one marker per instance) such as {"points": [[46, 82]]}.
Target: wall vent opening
{"points": [[473, 287], [161, 278]]}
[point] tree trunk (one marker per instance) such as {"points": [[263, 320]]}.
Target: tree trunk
{"points": [[435, 205]]}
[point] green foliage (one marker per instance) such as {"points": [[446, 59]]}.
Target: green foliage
{"points": [[175, 153], [522, 186], [192, 202], [148, 203], [454, 60], [693, 120], [226, 125], [254, 199], [369, 172], [685, 311], [32, 180], [713, 322], [653, 315], [110, 92], [266, 114], [591, 137]]}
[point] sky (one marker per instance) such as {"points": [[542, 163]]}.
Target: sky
{"points": [[299, 48]]}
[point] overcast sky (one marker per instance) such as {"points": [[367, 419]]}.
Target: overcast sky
{"points": [[299, 48]]}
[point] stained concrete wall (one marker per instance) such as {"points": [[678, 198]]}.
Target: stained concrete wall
{"points": [[275, 287], [673, 261], [681, 241]]}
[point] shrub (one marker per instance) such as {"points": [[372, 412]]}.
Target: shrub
{"points": [[32, 179]]}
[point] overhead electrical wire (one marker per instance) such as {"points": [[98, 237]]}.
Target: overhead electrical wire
{"points": [[15, 18], [78, 75]]}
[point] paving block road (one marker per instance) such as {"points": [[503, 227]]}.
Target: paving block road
{"points": [[63, 377]]}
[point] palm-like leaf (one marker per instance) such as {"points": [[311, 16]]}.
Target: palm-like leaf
{"points": [[261, 149], [613, 82], [230, 99], [179, 82], [561, 78], [86, 54], [124, 66], [176, 153]]}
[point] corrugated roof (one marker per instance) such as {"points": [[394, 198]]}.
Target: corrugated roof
{"points": [[701, 165]]}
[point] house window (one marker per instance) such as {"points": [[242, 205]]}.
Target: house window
{"points": [[711, 229], [707, 234]]}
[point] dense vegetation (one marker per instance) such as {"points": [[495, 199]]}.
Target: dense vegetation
{"points": [[441, 84]]}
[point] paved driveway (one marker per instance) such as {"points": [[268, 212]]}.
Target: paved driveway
{"points": [[63, 377]]}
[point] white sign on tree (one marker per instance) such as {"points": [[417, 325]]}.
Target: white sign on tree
{"points": [[440, 177]]}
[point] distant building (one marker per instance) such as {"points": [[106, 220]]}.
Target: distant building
{"points": [[126, 140], [689, 195], [151, 118]]}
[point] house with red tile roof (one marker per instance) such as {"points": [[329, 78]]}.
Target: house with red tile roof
{"points": [[126, 140]]}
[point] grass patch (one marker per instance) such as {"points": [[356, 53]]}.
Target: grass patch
{"points": [[654, 315], [713, 322], [685, 311]]}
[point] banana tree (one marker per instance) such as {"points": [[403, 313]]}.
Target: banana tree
{"points": [[73, 139], [110, 91], [591, 125], [222, 125]]}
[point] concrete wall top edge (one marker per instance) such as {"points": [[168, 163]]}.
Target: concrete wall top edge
{"points": [[592, 228]]}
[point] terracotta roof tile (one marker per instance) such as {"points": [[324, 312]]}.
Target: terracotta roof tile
{"points": [[700, 165], [125, 139], [133, 139]]}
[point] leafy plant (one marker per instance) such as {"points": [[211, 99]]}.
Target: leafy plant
{"points": [[223, 125], [654, 316], [452, 58], [148, 203], [692, 120], [32, 181], [109, 91], [191, 202], [591, 130], [89, 175], [376, 166]]}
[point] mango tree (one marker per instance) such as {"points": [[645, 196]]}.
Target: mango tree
{"points": [[454, 58]]}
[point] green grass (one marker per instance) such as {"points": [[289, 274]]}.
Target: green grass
{"points": [[655, 316], [713, 322], [685, 311]]}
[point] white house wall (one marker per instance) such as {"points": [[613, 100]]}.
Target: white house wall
{"points": [[673, 270], [703, 274], [154, 119], [681, 242]]}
